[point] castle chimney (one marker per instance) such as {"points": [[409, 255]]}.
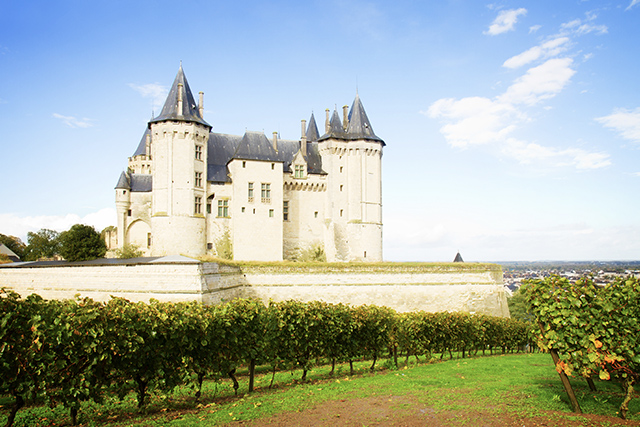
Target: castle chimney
{"points": [[345, 116], [179, 106], [303, 138], [275, 141], [326, 122], [201, 105]]}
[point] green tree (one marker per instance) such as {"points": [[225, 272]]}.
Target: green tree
{"points": [[81, 243], [42, 244], [129, 250], [518, 305], [14, 243]]}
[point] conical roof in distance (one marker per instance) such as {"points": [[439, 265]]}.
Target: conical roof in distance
{"points": [[171, 109]]}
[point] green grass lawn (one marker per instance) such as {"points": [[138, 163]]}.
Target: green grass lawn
{"points": [[526, 384]]}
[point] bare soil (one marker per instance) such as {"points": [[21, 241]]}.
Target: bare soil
{"points": [[406, 411]]}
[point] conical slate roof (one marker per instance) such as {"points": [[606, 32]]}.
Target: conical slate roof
{"points": [[135, 182], [312, 130], [142, 147], [335, 128], [189, 111], [124, 182], [458, 258], [359, 126]]}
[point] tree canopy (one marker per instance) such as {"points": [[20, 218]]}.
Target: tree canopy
{"points": [[14, 243], [81, 243], [42, 244]]}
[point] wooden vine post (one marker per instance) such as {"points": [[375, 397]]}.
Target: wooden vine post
{"points": [[564, 378]]}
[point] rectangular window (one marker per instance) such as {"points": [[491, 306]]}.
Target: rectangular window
{"points": [[148, 240], [198, 180], [197, 209], [198, 152], [270, 213], [298, 171], [285, 210], [223, 208], [209, 206], [266, 192], [250, 192]]}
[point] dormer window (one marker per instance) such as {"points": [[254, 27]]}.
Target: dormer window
{"points": [[298, 171]]}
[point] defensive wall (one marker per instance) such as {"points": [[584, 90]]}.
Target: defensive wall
{"points": [[469, 287]]}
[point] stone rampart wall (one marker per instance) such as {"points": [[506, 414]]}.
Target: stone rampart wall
{"points": [[471, 288]]}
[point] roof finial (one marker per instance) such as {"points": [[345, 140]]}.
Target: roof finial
{"points": [[181, 63]]}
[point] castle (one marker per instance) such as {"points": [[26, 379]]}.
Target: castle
{"points": [[191, 191]]}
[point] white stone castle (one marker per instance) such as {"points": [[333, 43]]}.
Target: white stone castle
{"points": [[190, 191]]}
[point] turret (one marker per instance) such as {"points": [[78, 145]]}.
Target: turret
{"points": [[179, 152], [352, 156], [123, 204]]}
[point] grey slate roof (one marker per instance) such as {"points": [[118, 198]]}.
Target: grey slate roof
{"points": [[256, 146], [359, 126], [105, 261], [223, 148], [142, 147], [458, 258], [335, 128], [312, 130], [135, 182], [189, 112]]}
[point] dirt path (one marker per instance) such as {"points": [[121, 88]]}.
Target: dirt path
{"points": [[403, 411]]}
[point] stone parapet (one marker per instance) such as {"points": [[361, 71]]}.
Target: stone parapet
{"points": [[474, 288]]}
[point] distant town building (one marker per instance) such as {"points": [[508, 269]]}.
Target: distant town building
{"points": [[191, 191]]}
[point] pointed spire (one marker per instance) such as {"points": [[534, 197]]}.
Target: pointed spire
{"points": [[180, 104], [458, 258], [335, 128], [124, 182], [359, 126], [312, 130]]}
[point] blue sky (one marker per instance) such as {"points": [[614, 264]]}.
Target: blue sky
{"points": [[512, 128]]}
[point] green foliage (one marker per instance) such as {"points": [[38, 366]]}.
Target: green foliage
{"points": [[313, 253], [42, 244], [594, 329], [81, 243], [518, 305], [129, 250], [224, 245], [15, 244], [76, 351]]}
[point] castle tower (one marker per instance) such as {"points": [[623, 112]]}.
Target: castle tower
{"points": [[179, 138], [352, 156], [123, 204]]}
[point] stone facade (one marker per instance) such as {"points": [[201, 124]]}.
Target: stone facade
{"points": [[474, 288], [191, 191]]}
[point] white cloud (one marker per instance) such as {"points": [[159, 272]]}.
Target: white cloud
{"points": [[625, 122], [539, 83], [580, 27], [155, 91], [483, 121], [534, 28], [528, 152], [633, 3], [548, 49], [505, 21], [74, 122], [14, 225], [474, 120]]}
